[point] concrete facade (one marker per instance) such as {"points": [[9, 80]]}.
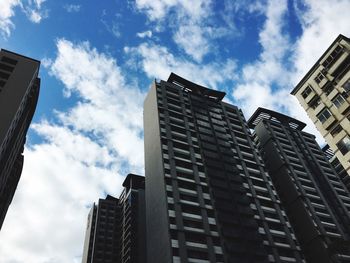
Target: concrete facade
{"points": [[19, 92], [324, 93], [316, 200], [208, 195], [115, 230]]}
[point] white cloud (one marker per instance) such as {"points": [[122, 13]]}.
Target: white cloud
{"points": [[259, 76], [268, 81], [83, 155], [34, 16], [32, 9], [111, 109], [72, 8], [6, 13], [158, 62], [191, 23], [46, 62], [193, 40], [144, 34], [159, 9], [322, 21]]}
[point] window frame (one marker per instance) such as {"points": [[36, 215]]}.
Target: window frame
{"points": [[344, 145], [338, 100], [307, 91], [322, 114]]}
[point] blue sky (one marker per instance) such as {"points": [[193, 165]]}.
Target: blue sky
{"points": [[99, 59]]}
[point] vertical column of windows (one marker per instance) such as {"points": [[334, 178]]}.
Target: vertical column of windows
{"points": [[231, 203], [279, 240], [306, 183], [185, 178]]}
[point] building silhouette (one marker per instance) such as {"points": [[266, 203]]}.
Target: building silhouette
{"points": [[115, 230], [339, 169], [316, 201], [324, 94], [19, 91], [208, 195]]}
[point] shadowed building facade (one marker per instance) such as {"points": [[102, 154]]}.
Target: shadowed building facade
{"points": [[208, 195], [116, 227], [338, 167], [316, 200], [19, 92]]}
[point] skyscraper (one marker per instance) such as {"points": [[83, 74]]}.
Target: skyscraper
{"points": [[115, 230], [339, 169], [324, 94], [19, 91], [316, 201], [208, 195]]}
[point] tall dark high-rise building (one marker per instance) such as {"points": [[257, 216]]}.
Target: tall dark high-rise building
{"points": [[116, 227], [208, 195], [19, 91], [338, 167], [316, 200]]}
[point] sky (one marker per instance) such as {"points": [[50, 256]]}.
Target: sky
{"points": [[98, 60]]}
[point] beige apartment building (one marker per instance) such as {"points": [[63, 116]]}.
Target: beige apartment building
{"points": [[324, 93]]}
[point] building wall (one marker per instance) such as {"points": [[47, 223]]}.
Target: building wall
{"points": [[19, 91], [157, 222], [107, 243], [316, 200], [338, 167], [220, 204], [89, 235], [326, 89], [116, 227]]}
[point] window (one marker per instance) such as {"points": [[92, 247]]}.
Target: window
{"points": [[344, 145], [306, 92], [338, 100], [314, 102], [9, 60], [328, 88], [332, 57], [347, 86], [336, 130], [324, 115], [319, 78]]}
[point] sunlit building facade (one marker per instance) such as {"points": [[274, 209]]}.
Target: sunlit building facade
{"points": [[324, 93]]}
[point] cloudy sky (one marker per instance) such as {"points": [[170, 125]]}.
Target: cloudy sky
{"points": [[98, 61]]}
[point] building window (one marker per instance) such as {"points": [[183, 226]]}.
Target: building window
{"points": [[344, 145], [315, 102], [328, 88], [324, 115], [332, 57], [338, 100], [347, 86], [336, 130], [319, 78], [9, 60], [306, 92]]}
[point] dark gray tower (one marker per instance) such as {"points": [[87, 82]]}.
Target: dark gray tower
{"points": [[208, 196], [315, 198], [116, 227], [19, 91]]}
